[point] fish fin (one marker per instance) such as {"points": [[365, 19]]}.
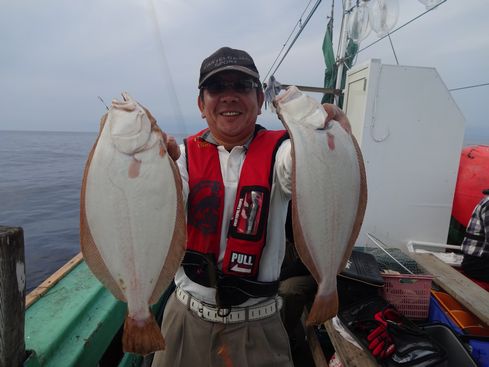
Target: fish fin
{"points": [[323, 308], [300, 243], [88, 248], [177, 246], [142, 336], [361, 206]]}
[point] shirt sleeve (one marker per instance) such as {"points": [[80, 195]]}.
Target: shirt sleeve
{"points": [[283, 167], [485, 223], [182, 167]]}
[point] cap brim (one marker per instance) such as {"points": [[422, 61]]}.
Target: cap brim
{"points": [[242, 69]]}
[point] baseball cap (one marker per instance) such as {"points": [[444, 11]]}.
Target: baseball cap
{"points": [[227, 58]]}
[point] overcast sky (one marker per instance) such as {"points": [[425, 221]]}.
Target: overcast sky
{"points": [[58, 56]]}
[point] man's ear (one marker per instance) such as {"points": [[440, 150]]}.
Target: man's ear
{"points": [[261, 98], [200, 103]]}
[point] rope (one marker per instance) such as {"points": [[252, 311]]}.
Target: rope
{"points": [[402, 26], [297, 35], [288, 38], [392, 47], [469, 86]]}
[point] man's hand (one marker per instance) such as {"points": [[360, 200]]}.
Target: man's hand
{"points": [[336, 113], [171, 146]]}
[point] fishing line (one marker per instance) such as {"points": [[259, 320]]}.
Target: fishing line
{"points": [[166, 70], [297, 35], [288, 38]]}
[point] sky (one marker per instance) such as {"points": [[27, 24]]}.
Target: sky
{"points": [[57, 56]]}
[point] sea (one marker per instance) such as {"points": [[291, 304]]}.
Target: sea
{"points": [[40, 180]]}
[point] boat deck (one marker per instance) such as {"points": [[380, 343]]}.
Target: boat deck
{"points": [[468, 293]]}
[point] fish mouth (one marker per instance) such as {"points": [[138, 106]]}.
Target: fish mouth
{"points": [[129, 131]]}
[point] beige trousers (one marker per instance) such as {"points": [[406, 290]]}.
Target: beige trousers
{"points": [[192, 341]]}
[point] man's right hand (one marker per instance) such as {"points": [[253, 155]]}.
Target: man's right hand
{"points": [[171, 146]]}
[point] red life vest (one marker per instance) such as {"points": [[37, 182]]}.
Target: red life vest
{"points": [[205, 204]]}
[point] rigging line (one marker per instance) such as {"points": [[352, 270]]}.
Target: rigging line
{"points": [[288, 38], [469, 86], [392, 46], [298, 34], [166, 68], [341, 32], [401, 26]]}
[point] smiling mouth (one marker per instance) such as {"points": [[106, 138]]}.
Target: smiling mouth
{"points": [[230, 114]]}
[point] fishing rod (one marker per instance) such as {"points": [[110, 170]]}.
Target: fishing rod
{"points": [[383, 246], [101, 100]]}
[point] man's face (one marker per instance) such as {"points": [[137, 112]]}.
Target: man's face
{"points": [[231, 114]]}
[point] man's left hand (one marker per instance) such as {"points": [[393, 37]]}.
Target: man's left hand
{"points": [[336, 113]]}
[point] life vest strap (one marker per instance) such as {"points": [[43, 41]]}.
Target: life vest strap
{"points": [[230, 290]]}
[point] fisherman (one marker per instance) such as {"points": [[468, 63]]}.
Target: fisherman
{"points": [[236, 179], [475, 245]]}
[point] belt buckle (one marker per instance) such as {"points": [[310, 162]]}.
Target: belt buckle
{"points": [[223, 312], [200, 311]]}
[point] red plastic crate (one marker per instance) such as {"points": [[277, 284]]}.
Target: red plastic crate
{"points": [[410, 294]]}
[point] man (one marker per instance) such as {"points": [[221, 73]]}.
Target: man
{"points": [[475, 245], [237, 184]]}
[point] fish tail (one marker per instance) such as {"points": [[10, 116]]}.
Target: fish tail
{"points": [[323, 308], [142, 336]]}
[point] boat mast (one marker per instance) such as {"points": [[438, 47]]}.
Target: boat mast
{"points": [[343, 41]]}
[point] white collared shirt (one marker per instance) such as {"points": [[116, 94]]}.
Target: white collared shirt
{"points": [[274, 250]]}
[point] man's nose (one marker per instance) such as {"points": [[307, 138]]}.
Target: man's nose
{"points": [[229, 95]]}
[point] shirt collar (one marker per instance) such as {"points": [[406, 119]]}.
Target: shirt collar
{"points": [[209, 138]]}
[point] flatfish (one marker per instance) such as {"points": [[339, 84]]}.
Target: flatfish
{"points": [[329, 194], [132, 223]]}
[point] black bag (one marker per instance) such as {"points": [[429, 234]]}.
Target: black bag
{"points": [[390, 337], [359, 280]]}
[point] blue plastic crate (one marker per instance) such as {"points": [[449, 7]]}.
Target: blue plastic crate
{"points": [[479, 349]]}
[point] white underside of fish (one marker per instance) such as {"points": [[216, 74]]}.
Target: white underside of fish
{"points": [[132, 218], [328, 194], [132, 205]]}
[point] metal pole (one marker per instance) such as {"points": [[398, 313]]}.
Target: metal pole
{"points": [[12, 297], [342, 46]]}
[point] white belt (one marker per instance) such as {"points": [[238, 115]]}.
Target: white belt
{"points": [[226, 316]]}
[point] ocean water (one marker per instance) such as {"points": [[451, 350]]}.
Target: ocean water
{"points": [[40, 184], [40, 180]]}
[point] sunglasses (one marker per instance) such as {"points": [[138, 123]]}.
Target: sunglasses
{"points": [[240, 86]]}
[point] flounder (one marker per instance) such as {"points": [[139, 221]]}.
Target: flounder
{"points": [[329, 194], [132, 223]]}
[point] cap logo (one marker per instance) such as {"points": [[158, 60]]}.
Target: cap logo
{"points": [[227, 59], [223, 61]]}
